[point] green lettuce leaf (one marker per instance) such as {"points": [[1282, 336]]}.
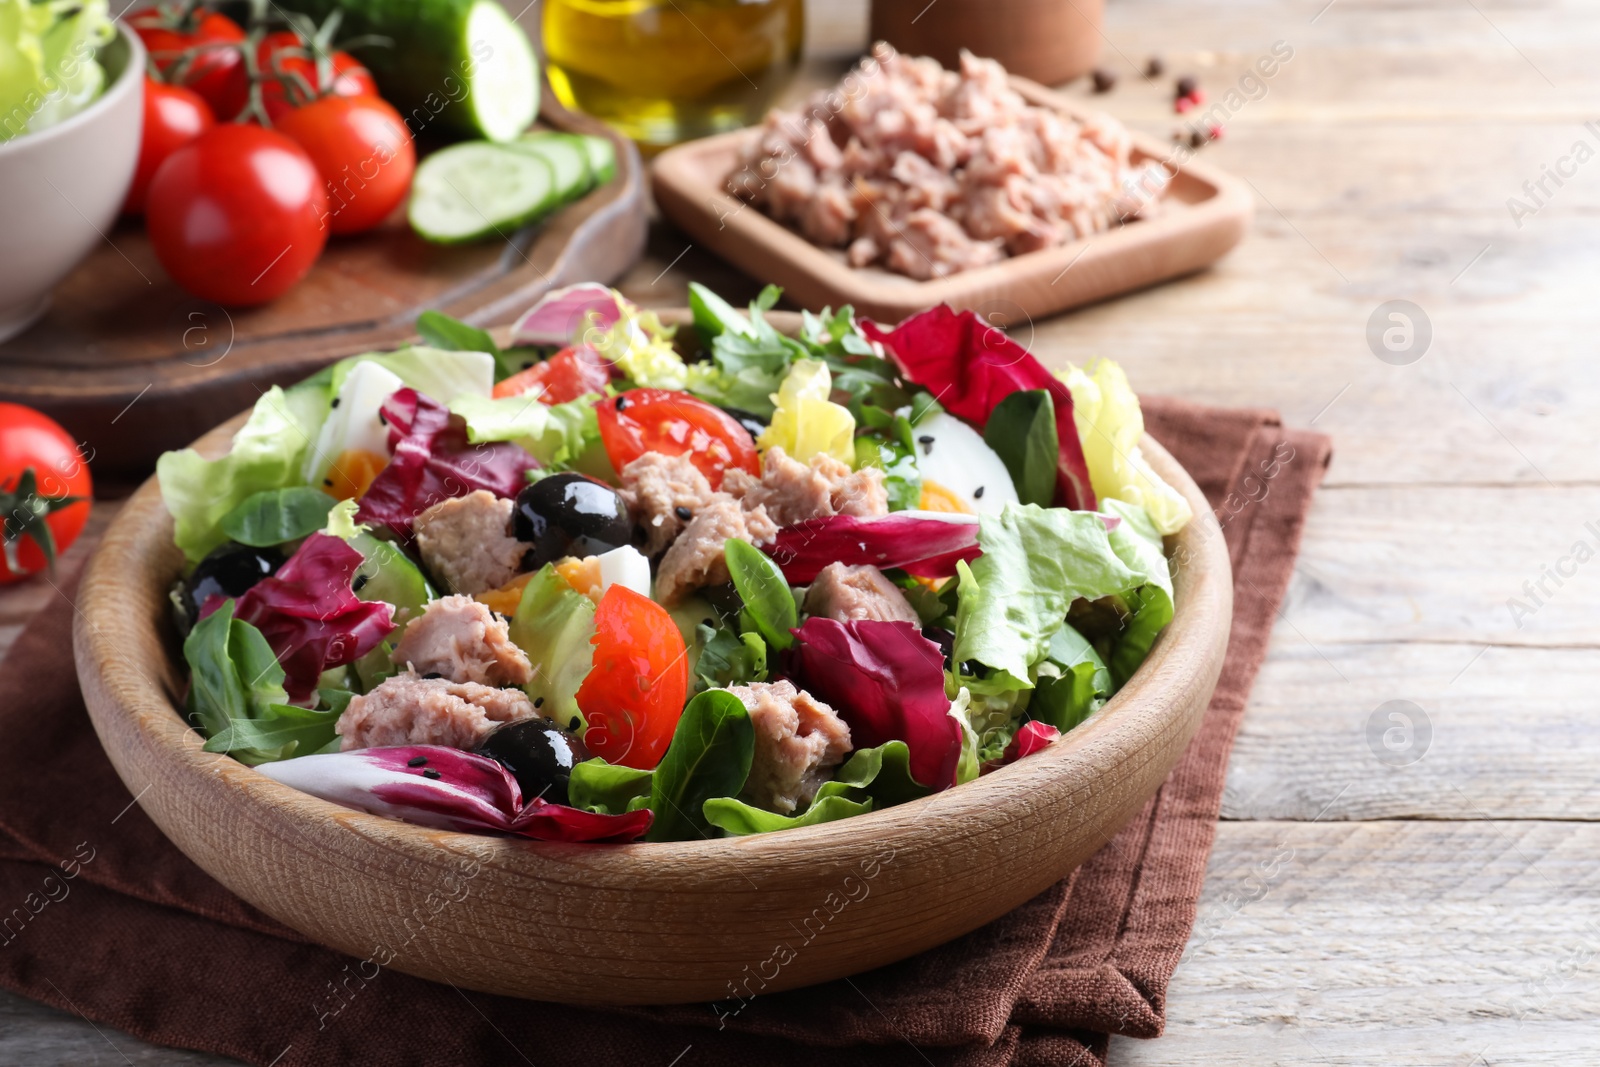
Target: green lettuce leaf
{"points": [[1013, 598], [607, 788], [728, 658], [267, 453], [1137, 542], [710, 756], [738, 818], [553, 625], [274, 516], [555, 434], [1072, 684], [48, 69]]}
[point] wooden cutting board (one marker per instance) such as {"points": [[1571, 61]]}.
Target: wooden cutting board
{"points": [[132, 365]]}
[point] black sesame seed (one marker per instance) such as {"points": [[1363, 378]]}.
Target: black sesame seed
{"points": [[381, 420], [527, 364], [977, 494], [1187, 85], [435, 775], [1104, 81], [433, 674], [539, 702], [683, 513], [575, 723], [417, 761], [709, 621], [361, 580], [1154, 67], [327, 481], [335, 403], [622, 403], [926, 439]]}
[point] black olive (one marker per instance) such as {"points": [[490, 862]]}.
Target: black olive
{"points": [[539, 754], [943, 638], [753, 425], [570, 515], [228, 571]]}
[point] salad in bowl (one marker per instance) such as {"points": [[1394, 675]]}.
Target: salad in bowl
{"points": [[622, 580]]}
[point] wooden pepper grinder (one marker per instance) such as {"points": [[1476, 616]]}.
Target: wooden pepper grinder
{"points": [[1049, 41]]}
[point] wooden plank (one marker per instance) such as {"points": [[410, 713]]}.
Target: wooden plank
{"points": [[1505, 734], [1421, 943]]}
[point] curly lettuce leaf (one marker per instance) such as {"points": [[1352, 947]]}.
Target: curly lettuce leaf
{"points": [[267, 453], [608, 788], [1137, 542], [805, 422], [48, 70], [735, 817], [1013, 598], [1072, 684], [554, 434], [1109, 422]]}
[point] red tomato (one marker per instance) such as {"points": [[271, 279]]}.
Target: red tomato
{"points": [[634, 695], [235, 215], [217, 73], [364, 153], [40, 470], [659, 420], [282, 57], [173, 116], [567, 375]]}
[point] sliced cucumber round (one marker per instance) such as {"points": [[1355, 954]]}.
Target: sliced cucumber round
{"points": [[477, 189], [503, 92], [602, 158], [568, 159]]}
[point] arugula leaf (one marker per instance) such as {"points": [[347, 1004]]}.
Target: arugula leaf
{"points": [[274, 516], [766, 595], [554, 625], [452, 335], [1022, 432], [709, 757], [608, 789], [727, 658], [1014, 597]]}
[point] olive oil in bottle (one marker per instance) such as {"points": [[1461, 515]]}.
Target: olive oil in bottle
{"points": [[665, 71]]}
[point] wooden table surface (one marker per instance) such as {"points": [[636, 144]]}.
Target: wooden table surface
{"points": [[1356, 910]]}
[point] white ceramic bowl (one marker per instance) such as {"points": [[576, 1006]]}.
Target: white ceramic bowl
{"points": [[61, 187]]}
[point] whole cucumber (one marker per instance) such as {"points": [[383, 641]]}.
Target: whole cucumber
{"points": [[459, 66]]}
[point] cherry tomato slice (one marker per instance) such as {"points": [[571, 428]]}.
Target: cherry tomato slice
{"points": [[660, 420], [218, 73], [364, 152], [173, 116], [567, 375], [634, 695]]}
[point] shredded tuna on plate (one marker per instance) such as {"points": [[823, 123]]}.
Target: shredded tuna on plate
{"points": [[927, 172]]}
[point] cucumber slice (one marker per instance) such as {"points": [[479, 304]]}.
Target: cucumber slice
{"points": [[386, 574], [460, 66], [568, 159], [602, 158], [477, 189]]}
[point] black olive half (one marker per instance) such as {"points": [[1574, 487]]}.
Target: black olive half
{"points": [[753, 425], [539, 754], [227, 572], [570, 515]]}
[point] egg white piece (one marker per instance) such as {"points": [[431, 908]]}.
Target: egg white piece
{"points": [[952, 456], [352, 423], [626, 566]]}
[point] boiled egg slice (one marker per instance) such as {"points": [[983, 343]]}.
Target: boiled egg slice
{"points": [[960, 473], [353, 426]]}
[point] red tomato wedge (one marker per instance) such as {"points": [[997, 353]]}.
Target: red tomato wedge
{"points": [[634, 695], [674, 424], [567, 375]]}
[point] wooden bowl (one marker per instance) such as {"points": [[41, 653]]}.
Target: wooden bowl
{"points": [[1205, 213], [643, 923]]}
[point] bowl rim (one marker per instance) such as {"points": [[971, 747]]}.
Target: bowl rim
{"points": [[133, 71]]}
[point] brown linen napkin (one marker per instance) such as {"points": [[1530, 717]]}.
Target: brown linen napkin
{"points": [[99, 915]]}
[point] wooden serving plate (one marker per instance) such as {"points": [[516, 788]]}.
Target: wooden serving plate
{"points": [[1206, 214], [642, 923], [132, 365]]}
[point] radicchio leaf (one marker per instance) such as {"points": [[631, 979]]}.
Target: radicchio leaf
{"points": [[434, 461], [926, 547], [886, 681], [311, 618], [465, 792], [970, 366], [1034, 736], [560, 316]]}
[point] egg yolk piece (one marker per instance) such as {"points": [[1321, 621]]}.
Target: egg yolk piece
{"points": [[352, 473], [936, 497]]}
